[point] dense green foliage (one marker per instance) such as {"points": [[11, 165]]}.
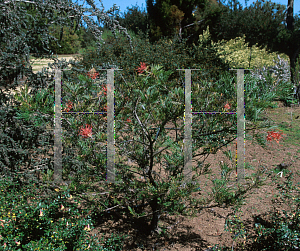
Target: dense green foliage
{"points": [[167, 17], [171, 55], [239, 54], [32, 221], [263, 23], [135, 20], [25, 29], [71, 43]]}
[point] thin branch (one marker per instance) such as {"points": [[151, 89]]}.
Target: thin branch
{"points": [[193, 23], [133, 140], [23, 1], [141, 124]]}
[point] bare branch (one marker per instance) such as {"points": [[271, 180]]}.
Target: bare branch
{"points": [[193, 23], [23, 1], [141, 124]]}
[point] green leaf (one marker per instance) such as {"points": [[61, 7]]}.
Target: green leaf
{"points": [[131, 211]]}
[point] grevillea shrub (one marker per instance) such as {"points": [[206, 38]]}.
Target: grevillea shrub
{"points": [[24, 139], [160, 106], [24, 136], [87, 134], [146, 106]]}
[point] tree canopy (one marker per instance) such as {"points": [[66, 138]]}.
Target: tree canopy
{"points": [[168, 17]]}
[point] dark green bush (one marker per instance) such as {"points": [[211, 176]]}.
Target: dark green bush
{"points": [[171, 55], [49, 220]]}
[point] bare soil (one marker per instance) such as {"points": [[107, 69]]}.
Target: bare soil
{"points": [[207, 228]]}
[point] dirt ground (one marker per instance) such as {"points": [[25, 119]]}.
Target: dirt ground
{"points": [[207, 229]]}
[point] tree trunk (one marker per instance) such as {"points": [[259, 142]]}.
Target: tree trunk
{"points": [[294, 54], [156, 215], [293, 57], [290, 15]]}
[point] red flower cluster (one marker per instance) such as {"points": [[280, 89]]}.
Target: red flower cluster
{"points": [[275, 135], [227, 106], [104, 91], [87, 131], [93, 74], [142, 68], [69, 106]]}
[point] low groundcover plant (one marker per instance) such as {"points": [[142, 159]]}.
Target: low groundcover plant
{"points": [[32, 221]]}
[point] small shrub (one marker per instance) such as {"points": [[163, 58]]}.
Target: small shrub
{"points": [[32, 221], [238, 54], [277, 80], [278, 232]]}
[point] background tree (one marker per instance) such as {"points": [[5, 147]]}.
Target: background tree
{"points": [[86, 37], [70, 38], [135, 19], [172, 17], [264, 23], [293, 45], [204, 16], [259, 23]]}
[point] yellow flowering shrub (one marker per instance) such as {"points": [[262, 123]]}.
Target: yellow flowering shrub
{"points": [[237, 52]]}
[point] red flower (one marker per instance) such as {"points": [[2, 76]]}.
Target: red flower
{"points": [[87, 131], [227, 106], [69, 105], [104, 91], [128, 120], [275, 135], [93, 74], [142, 68]]}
